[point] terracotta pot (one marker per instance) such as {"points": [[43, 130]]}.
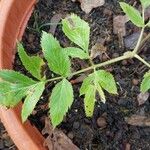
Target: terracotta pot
{"points": [[14, 15]]}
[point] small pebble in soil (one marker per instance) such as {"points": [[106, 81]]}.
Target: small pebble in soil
{"points": [[31, 38], [115, 55], [104, 57], [135, 81], [76, 125], [124, 62], [127, 103], [110, 69], [101, 122], [70, 135]]}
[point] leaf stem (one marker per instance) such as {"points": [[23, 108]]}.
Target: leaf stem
{"points": [[54, 79], [139, 41], [126, 55], [142, 60], [102, 64], [95, 66]]}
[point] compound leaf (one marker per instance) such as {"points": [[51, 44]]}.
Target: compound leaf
{"points": [[60, 101], [145, 3], [15, 77], [77, 30], [107, 82], [76, 53], [145, 85], [33, 96], [32, 64], [57, 59], [89, 100], [133, 14]]}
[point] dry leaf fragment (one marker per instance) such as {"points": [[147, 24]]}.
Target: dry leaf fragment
{"points": [[119, 27], [142, 98], [138, 120], [98, 50], [88, 5], [119, 24], [57, 140], [54, 22], [79, 79]]}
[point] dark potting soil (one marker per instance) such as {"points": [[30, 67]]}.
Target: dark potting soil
{"points": [[5, 141], [107, 129]]}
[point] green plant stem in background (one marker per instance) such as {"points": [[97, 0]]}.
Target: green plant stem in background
{"points": [[139, 41], [143, 42], [142, 60]]}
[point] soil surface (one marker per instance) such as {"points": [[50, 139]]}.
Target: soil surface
{"points": [[108, 128], [5, 142]]}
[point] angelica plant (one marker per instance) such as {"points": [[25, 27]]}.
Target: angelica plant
{"points": [[15, 86]]}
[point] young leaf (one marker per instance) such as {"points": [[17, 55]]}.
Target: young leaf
{"points": [[49, 43], [133, 14], [34, 94], [11, 94], [77, 30], [76, 53], [86, 82], [89, 100], [145, 85], [57, 59], [60, 101], [32, 64], [15, 77], [101, 93], [107, 82], [145, 3], [148, 24], [88, 88]]}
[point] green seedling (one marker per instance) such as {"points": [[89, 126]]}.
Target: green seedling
{"points": [[14, 86]]}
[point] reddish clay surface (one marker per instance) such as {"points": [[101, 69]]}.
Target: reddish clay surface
{"points": [[14, 15]]}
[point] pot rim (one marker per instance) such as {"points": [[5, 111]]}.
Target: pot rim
{"points": [[14, 15]]}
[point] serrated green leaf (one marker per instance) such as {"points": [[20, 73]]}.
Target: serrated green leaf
{"points": [[133, 14], [89, 87], [58, 61], [145, 3], [86, 82], [34, 94], [60, 101], [148, 24], [77, 30], [11, 94], [89, 100], [15, 77], [101, 93], [76, 53], [107, 81], [33, 64], [49, 43], [145, 85]]}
